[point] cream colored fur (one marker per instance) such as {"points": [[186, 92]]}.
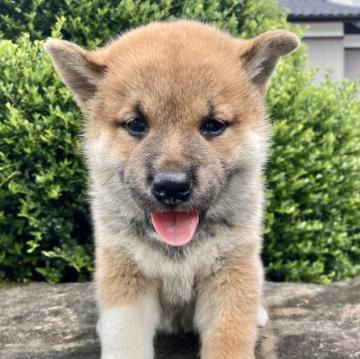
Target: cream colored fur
{"points": [[133, 340]]}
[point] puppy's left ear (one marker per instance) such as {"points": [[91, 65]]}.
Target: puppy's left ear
{"points": [[260, 55]]}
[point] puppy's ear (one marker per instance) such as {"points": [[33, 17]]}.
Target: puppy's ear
{"points": [[260, 55], [80, 70]]}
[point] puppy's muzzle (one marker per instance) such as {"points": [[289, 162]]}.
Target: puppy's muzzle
{"points": [[171, 187]]}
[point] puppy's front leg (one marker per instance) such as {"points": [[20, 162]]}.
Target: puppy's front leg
{"points": [[129, 309], [226, 310]]}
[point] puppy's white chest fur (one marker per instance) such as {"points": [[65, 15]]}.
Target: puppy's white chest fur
{"points": [[177, 289], [177, 298], [176, 277]]}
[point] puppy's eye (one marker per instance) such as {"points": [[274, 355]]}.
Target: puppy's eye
{"points": [[212, 127], [136, 126]]}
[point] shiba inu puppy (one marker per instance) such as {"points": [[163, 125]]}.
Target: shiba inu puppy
{"points": [[175, 140]]}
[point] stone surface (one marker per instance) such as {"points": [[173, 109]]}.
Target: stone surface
{"points": [[41, 321]]}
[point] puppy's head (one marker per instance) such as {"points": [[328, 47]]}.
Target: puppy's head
{"points": [[174, 112]]}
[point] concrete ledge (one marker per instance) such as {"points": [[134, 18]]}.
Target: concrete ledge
{"points": [[41, 321]]}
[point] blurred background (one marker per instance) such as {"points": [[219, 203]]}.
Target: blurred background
{"points": [[332, 34], [312, 221]]}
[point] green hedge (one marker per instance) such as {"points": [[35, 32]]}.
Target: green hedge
{"points": [[313, 209], [42, 183], [312, 222], [92, 22]]}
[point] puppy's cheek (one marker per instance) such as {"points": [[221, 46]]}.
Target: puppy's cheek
{"points": [[99, 152], [210, 181], [136, 181], [251, 151]]}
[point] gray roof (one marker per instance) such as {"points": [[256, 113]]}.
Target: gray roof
{"points": [[319, 10]]}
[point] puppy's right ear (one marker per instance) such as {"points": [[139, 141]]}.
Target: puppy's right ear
{"points": [[80, 70]]}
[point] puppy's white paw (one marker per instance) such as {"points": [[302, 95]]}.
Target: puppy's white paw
{"points": [[127, 332], [262, 316]]}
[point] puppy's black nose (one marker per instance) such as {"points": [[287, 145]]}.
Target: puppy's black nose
{"points": [[171, 187]]}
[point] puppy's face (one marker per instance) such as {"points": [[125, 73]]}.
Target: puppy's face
{"points": [[174, 112]]}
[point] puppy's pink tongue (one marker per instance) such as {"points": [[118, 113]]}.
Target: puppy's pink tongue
{"points": [[175, 228]]}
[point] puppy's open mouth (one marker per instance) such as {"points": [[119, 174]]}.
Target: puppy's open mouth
{"points": [[175, 228]]}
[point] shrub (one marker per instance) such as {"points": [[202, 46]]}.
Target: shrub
{"points": [[44, 230], [91, 23], [312, 219]]}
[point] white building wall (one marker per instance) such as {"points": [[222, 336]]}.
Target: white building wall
{"points": [[326, 54], [346, 2], [330, 49], [352, 63]]}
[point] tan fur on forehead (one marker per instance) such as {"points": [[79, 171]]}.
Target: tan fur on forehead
{"points": [[177, 66], [170, 36]]}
